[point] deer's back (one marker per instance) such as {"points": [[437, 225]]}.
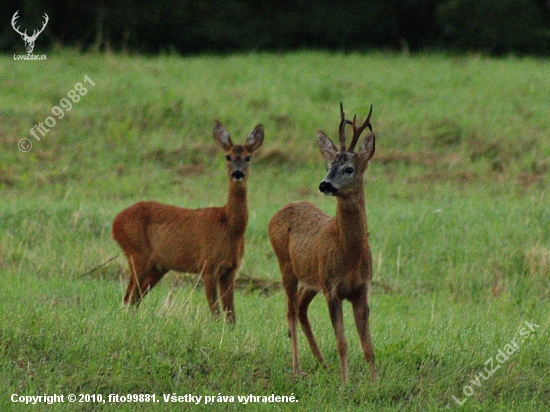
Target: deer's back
{"points": [[178, 238]]}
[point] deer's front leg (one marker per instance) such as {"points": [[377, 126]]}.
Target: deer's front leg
{"points": [[337, 319], [211, 290], [227, 289], [361, 316]]}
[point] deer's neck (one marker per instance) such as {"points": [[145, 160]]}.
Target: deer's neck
{"points": [[351, 221], [236, 208]]}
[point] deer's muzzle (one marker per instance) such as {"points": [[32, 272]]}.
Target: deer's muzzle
{"points": [[238, 175], [327, 188]]}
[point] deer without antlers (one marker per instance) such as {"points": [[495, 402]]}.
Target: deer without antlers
{"points": [[29, 40], [157, 238], [319, 253]]}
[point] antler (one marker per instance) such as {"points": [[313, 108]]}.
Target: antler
{"points": [[358, 130], [35, 32], [15, 16], [47, 19], [342, 128]]}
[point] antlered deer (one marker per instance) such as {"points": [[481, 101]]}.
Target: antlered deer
{"points": [[317, 252], [157, 238]]}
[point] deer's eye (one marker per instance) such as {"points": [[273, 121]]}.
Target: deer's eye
{"points": [[348, 170], [228, 158], [247, 159]]}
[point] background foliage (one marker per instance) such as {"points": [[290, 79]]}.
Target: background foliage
{"points": [[489, 26]]}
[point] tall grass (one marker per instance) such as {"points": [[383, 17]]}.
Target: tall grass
{"points": [[457, 205]]}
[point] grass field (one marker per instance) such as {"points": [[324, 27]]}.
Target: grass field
{"points": [[457, 203]]}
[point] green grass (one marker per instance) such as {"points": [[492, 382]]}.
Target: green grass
{"points": [[457, 204]]}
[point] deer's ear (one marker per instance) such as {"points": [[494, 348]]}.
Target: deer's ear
{"points": [[327, 148], [366, 150], [255, 139], [222, 136]]}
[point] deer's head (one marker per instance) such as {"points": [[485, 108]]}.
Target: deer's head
{"points": [[346, 168], [238, 156], [29, 40]]}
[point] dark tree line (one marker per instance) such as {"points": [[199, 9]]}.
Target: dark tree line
{"points": [[151, 26]]}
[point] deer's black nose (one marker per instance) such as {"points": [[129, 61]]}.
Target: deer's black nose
{"points": [[327, 188], [237, 175]]}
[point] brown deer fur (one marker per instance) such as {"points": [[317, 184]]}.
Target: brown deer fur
{"points": [[157, 238], [319, 253]]}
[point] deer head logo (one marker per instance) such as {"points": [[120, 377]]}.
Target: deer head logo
{"points": [[29, 40]]}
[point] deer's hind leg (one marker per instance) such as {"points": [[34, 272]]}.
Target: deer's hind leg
{"points": [[140, 268], [290, 284], [305, 296], [279, 238], [144, 275], [153, 276]]}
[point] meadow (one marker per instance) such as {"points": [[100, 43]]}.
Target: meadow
{"points": [[457, 206]]}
